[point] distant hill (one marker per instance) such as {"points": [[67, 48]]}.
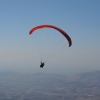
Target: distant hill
{"points": [[46, 86], [86, 76], [88, 79]]}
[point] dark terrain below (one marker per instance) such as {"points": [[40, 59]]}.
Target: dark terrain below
{"points": [[46, 86]]}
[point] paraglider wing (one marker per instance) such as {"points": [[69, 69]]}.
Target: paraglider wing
{"points": [[54, 27]]}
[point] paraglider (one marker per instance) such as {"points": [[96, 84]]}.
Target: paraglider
{"points": [[42, 64], [56, 28]]}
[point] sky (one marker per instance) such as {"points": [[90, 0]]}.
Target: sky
{"points": [[20, 51]]}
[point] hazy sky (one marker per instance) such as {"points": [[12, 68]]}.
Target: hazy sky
{"points": [[79, 18]]}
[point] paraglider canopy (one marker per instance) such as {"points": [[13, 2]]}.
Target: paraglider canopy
{"points": [[54, 27]]}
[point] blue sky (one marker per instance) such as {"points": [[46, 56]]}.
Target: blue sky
{"points": [[79, 18]]}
